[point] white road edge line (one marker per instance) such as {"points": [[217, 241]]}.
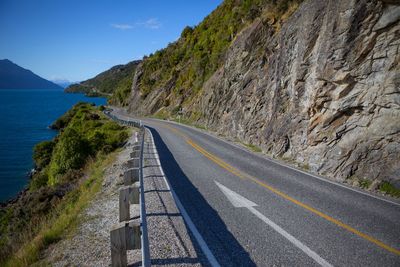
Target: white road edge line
{"points": [[287, 166], [239, 201], [291, 238], [203, 245]]}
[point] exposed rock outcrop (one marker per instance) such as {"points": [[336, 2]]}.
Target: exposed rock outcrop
{"points": [[323, 90]]}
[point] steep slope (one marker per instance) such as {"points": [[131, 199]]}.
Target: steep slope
{"points": [[321, 89], [13, 76], [324, 91], [173, 76], [117, 80]]}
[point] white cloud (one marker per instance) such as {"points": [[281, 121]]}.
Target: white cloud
{"points": [[122, 26], [152, 23]]}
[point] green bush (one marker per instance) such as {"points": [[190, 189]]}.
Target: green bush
{"points": [[39, 180], [389, 189], [70, 152], [63, 121], [42, 153], [86, 131], [96, 139]]}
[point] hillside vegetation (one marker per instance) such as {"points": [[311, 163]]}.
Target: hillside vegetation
{"points": [[314, 83], [181, 69], [58, 187], [117, 80]]}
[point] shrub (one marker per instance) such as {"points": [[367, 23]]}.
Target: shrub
{"points": [[65, 119], [39, 180], [389, 189], [69, 153], [42, 153], [86, 132]]}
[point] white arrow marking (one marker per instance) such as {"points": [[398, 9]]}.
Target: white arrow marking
{"points": [[239, 201]]}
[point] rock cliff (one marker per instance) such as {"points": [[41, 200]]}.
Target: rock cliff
{"points": [[322, 90]]}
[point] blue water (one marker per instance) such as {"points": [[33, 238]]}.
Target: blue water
{"points": [[24, 119]]}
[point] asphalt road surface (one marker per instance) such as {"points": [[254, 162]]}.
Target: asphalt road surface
{"points": [[252, 211]]}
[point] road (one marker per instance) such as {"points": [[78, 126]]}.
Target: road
{"points": [[252, 211]]}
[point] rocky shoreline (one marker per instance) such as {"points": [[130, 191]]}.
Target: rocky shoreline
{"points": [[14, 199], [56, 183], [21, 193]]}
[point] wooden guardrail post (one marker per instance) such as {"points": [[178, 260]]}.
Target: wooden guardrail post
{"points": [[133, 163], [136, 144], [131, 176], [136, 147], [135, 154], [127, 234], [124, 214], [128, 195], [124, 236]]}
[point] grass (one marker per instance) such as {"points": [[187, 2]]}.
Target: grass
{"points": [[201, 127], [356, 181], [305, 166], [384, 187], [66, 217], [252, 147], [388, 188], [185, 121], [161, 115], [291, 161], [364, 183]]}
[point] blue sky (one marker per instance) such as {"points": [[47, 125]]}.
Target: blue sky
{"points": [[75, 40]]}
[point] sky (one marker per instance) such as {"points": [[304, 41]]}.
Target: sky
{"points": [[75, 40]]}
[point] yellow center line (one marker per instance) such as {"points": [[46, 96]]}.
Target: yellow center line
{"points": [[216, 160], [243, 175]]}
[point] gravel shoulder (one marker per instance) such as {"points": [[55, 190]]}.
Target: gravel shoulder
{"points": [[89, 245], [170, 241]]}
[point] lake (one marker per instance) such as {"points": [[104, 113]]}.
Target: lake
{"points": [[24, 119]]}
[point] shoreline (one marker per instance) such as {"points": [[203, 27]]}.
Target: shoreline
{"points": [[62, 171], [45, 106], [29, 175]]}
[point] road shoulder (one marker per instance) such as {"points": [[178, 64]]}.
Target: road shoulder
{"points": [[170, 240]]}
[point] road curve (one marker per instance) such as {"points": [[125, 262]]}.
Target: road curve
{"points": [[252, 211]]}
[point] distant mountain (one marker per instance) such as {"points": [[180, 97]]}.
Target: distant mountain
{"points": [[115, 83], [63, 83], [13, 76]]}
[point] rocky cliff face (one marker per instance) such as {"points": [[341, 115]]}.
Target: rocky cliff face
{"points": [[322, 90]]}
